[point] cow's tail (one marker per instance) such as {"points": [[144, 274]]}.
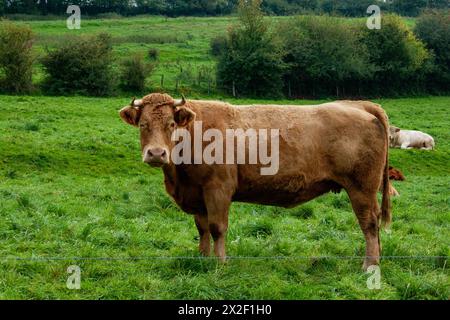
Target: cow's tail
{"points": [[386, 216]]}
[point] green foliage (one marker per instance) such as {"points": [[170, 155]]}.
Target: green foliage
{"points": [[324, 54], [133, 73], [81, 66], [153, 54], [433, 28], [252, 63], [218, 45], [16, 58], [396, 54], [113, 8], [186, 42]]}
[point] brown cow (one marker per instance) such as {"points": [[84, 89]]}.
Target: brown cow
{"points": [[394, 174], [321, 148]]}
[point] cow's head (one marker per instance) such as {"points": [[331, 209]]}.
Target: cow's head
{"points": [[393, 134], [157, 116]]}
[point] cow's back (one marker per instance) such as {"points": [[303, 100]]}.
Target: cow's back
{"points": [[319, 148]]}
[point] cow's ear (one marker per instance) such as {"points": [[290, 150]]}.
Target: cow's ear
{"points": [[131, 115], [183, 116], [397, 129]]}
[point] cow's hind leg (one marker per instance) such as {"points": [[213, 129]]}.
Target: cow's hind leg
{"points": [[367, 211], [201, 221]]}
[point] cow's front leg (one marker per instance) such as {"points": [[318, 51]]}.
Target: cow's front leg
{"points": [[218, 202], [405, 146], [201, 221]]}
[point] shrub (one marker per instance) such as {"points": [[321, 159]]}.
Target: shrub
{"points": [[133, 73], [396, 54], [433, 28], [252, 64], [153, 54], [16, 59], [82, 66], [218, 45], [325, 56]]}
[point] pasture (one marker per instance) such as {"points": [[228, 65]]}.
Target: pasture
{"points": [[74, 191], [183, 44]]}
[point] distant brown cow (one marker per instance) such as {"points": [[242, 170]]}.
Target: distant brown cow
{"points": [[395, 174], [321, 148]]}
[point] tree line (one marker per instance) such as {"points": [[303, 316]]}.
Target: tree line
{"points": [[352, 8]]}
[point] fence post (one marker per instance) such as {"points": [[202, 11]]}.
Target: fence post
{"points": [[234, 89]]}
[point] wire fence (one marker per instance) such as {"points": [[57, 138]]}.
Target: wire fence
{"points": [[156, 258]]}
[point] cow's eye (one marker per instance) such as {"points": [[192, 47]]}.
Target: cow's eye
{"points": [[143, 125], [172, 124]]}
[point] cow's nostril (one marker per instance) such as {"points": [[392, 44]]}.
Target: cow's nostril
{"points": [[157, 152]]}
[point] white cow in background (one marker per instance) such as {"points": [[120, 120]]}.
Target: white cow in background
{"points": [[408, 139]]}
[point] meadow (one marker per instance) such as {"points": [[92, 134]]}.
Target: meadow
{"points": [[73, 191], [183, 44]]}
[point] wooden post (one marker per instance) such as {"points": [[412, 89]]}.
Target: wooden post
{"points": [[234, 89], [289, 88], [209, 86]]}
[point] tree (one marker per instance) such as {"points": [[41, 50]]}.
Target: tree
{"points": [[324, 54], [396, 54], [433, 28], [252, 62]]}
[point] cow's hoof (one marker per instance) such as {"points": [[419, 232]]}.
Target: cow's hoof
{"points": [[222, 260], [369, 262]]}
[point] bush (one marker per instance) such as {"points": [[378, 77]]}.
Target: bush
{"points": [[325, 56], [82, 66], [218, 45], [398, 57], [16, 59], [252, 64], [433, 28], [153, 54], [134, 71]]}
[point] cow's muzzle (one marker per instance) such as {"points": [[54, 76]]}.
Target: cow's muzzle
{"points": [[156, 157]]}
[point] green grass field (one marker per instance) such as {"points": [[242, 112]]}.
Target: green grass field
{"points": [[183, 42], [73, 191]]}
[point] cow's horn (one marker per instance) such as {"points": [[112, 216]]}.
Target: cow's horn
{"points": [[136, 103], [179, 103]]}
